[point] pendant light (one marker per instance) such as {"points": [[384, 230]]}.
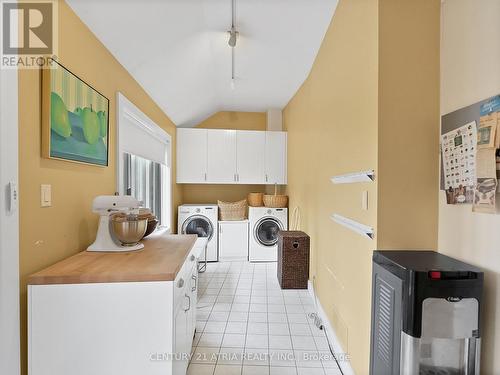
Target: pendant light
{"points": [[233, 38]]}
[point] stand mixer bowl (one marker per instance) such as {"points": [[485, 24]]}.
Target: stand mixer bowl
{"points": [[128, 228]]}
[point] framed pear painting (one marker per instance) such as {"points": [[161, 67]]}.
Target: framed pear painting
{"points": [[75, 118]]}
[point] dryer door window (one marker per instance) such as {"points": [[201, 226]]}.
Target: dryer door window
{"points": [[266, 231], [199, 225]]}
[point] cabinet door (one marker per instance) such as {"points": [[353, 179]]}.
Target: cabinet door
{"points": [[194, 302], [221, 156], [191, 155], [250, 148], [180, 360], [233, 240], [276, 158]]}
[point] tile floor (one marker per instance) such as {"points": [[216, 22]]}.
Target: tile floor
{"points": [[247, 325]]}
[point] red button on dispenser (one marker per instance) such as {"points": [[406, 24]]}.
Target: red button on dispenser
{"points": [[435, 275]]}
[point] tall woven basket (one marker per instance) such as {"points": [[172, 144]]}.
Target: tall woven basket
{"points": [[275, 201], [232, 211]]}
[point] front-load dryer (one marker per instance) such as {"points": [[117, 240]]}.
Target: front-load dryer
{"points": [[265, 223], [202, 220]]}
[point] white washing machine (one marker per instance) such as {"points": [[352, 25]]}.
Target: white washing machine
{"points": [[201, 219], [265, 223]]}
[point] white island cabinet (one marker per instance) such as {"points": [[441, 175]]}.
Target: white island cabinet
{"points": [[116, 313]]}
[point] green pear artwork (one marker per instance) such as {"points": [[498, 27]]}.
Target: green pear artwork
{"points": [[75, 118]]}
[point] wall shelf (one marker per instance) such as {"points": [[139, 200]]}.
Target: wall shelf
{"points": [[363, 176], [359, 228]]}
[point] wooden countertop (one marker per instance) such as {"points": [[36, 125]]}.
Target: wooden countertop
{"points": [[160, 260]]}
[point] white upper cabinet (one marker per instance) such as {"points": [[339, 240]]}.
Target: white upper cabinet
{"points": [[221, 156], [250, 147], [276, 158], [191, 155], [216, 156]]}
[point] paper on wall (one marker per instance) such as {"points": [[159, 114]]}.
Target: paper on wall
{"points": [[458, 149]]}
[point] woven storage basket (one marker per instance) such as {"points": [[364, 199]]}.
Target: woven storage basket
{"points": [[232, 210], [275, 201], [293, 259], [255, 199]]}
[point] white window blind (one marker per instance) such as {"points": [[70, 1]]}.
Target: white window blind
{"points": [[138, 139]]}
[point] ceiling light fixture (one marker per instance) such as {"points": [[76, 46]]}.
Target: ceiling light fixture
{"points": [[233, 37], [233, 34]]}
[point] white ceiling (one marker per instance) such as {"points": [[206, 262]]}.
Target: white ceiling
{"points": [[177, 50]]}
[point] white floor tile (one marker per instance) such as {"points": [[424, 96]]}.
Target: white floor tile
{"points": [[236, 327], [222, 307], [278, 329], [257, 328], [276, 317], [258, 307], [237, 316], [227, 370], [215, 327], [233, 340], [257, 317], [240, 307], [280, 342], [276, 308], [279, 357], [230, 356], [256, 341], [297, 329], [205, 355], [210, 340], [255, 370], [297, 318], [199, 369], [261, 329], [256, 357], [283, 371], [310, 371], [303, 343], [218, 316]]}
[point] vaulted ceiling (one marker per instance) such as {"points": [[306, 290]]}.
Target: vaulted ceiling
{"points": [[177, 50]]}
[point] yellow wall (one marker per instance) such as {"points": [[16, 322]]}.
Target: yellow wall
{"points": [[48, 235], [235, 120], [408, 123], [206, 193], [348, 116]]}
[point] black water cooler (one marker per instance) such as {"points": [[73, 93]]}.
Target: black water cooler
{"points": [[425, 314]]}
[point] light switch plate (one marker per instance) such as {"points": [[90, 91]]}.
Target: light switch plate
{"points": [[46, 195]]}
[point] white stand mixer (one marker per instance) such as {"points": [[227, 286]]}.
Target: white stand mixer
{"points": [[105, 206]]}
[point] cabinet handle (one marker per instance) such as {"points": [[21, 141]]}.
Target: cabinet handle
{"points": [[195, 283], [189, 302], [205, 176], [180, 283], [192, 258]]}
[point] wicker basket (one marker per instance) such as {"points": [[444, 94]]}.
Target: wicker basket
{"points": [[232, 210], [255, 199], [293, 259], [275, 201]]}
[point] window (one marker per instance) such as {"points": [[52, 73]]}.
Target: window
{"points": [[146, 180], [144, 161]]}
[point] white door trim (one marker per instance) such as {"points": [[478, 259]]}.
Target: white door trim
{"points": [[9, 225]]}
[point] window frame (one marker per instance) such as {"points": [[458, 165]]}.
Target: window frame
{"points": [[127, 111]]}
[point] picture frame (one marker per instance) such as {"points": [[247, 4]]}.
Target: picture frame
{"points": [[75, 118]]}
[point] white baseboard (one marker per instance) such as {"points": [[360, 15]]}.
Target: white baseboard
{"points": [[344, 364]]}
